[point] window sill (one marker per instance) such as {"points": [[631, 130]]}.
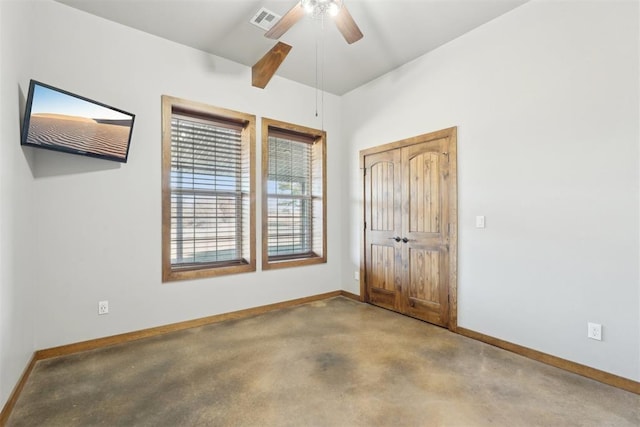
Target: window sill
{"points": [[201, 272], [274, 264]]}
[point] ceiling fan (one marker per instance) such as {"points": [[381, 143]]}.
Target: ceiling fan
{"points": [[266, 67]]}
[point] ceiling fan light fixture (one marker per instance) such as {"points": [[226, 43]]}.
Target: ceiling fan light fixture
{"points": [[333, 9], [321, 7], [309, 6]]}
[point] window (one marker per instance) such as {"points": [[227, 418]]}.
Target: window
{"points": [[208, 191], [293, 195]]}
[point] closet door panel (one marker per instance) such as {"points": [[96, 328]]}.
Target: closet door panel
{"points": [[383, 222], [424, 231]]}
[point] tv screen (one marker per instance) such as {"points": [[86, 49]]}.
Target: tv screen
{"points": [[62, 121]]}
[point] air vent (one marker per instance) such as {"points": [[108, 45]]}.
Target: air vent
{"points": [[265, 19]]}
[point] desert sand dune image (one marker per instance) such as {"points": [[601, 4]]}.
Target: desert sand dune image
{"points": [[104, 137]]}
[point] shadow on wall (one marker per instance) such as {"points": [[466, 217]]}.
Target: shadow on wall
{"points": [[28, 154], [45, 163], [52, 163]]}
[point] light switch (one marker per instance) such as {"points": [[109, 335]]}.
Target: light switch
{"points": [[480, 221]]}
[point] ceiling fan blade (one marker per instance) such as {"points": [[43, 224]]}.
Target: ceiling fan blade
{"points": [[287, 21], [347, 26], [267, 66]]}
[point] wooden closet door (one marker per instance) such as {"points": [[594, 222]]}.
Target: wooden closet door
{"points": [[383, 189], [409, 245], [425, 234]]}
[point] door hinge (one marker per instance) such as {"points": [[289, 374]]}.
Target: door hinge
{"points": [[365, 225], [364, 172]]}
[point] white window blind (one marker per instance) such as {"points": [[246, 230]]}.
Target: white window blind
{"points": [[289, 198], [206, 191]]}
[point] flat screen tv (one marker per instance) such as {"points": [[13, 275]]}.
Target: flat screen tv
{"points": [[62, 121]]}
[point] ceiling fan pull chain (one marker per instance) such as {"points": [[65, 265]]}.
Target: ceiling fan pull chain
{"points": [[316, 70], [322, 76]]}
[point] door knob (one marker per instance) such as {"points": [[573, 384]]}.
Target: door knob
{"points": [[404, 239], [397, 238]]}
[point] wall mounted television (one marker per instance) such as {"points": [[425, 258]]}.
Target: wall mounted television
{"points": [[58, 120]]}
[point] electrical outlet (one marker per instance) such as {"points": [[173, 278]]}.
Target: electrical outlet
{"points": [[594, 331], [356, 275], [103, 307]]}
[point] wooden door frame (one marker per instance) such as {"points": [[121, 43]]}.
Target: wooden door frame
{"points": [[452, 139]]}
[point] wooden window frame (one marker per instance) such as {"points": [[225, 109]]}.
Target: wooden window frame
{"points": [[212, 114], [319, 176]]}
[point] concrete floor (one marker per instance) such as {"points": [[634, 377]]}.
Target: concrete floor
{"points": [[330, 363]]}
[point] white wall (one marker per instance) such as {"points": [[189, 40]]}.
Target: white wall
{"points": [[546, 100], [17, 235], [99, 223]]}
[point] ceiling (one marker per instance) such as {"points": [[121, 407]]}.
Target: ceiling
{"points": [[395, 32]]}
